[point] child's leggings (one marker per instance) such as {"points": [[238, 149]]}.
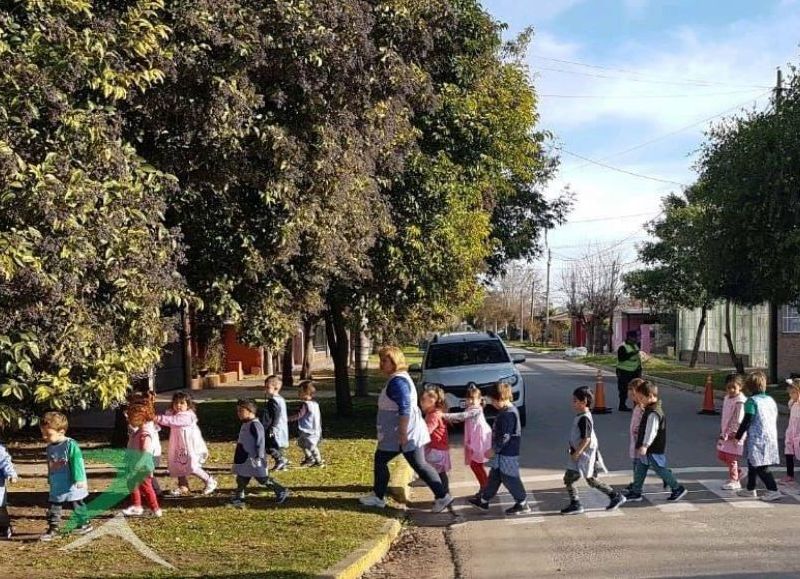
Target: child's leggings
{"points": [[199, 473], [512, 483], [732, 462], [445, 481], [764, 474], [790, 465], [573, 476], [146, 489], [480, 473]]}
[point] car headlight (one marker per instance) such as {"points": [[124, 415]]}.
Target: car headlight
{"points": [[511, 380]]}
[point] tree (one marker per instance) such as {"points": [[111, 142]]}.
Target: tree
{"points": [[86, 262], [678, 262]]}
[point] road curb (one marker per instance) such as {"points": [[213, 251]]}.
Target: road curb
{"points": [[371, 552]]}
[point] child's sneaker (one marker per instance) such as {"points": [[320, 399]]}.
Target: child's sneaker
{"points": [[282, 464], [616, 502], [6, 533], [574, 508], [179, 492], [787, 480], [522, 508], [133, 511], [772, 496], [747, 494], [211, 486], [281, 496], [732, 485], [158, 513], [237, 503], [50, 535], [633, 496], [317, 464], [84, 529], [479, 502], [441, 504], [307, 461], [677, 494], [372, 501]]}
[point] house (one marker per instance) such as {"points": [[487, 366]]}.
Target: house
{"points": [[750, 330]]}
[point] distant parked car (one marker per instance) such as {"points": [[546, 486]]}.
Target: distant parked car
{"points": [[456, 361], [576, 352]]}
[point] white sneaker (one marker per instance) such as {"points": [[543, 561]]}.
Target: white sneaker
{"points": [[372, 501], [748, 494], [211, 486], [772, 496], [732, 485], [133, 511], [441, 504], [179, 492], [158, 513]]}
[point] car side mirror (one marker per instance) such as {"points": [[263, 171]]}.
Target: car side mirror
{"points": [[415, 368], [518, 358]]}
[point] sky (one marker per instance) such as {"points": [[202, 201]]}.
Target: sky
{"points": [[634, 84]]}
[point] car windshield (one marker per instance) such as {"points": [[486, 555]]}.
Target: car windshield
{"points": [[465, 354]]}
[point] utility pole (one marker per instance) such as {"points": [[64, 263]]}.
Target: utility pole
{"points": [[521, 313], [546, 332], [773, 307]]}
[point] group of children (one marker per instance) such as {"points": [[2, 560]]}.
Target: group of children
{"points": [[748, 428], [258, 439]]}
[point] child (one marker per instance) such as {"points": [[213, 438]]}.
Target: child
{"points": [[792, 437], [651, 445], [760, 424], [504, 454], [187, 449], [250, 458], [477, 434], [274, 419], [309, 423], [149, 398], [633, 429], [7, 474], [66, 475], [729, 450], [140, 460], [584, 454], [437, 451]]}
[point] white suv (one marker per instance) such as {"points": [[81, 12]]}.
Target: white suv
{"points": [[456, 361]]}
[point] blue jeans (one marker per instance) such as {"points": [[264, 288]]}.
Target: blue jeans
{"points": [[512, 483], [415, 458], [658, 462]]}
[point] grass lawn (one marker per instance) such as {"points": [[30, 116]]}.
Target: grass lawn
{"points": [[319, 525]]}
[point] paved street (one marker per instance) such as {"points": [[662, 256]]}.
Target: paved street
{"points": [[710, 533]]}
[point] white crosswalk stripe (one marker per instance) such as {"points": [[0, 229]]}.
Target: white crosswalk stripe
{"points": [[730, 497]]}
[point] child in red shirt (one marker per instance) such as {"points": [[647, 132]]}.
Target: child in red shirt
{"points": [[437, 451]]}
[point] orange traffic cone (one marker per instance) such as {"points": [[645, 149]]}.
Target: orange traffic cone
{"points": [[708, 399], [600, 396]]}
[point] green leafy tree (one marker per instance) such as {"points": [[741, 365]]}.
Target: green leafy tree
{"points": [[86, 262]]}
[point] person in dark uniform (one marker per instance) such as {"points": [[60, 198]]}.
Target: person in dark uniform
{"points": [[629, 366]]}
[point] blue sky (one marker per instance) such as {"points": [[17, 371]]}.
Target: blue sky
{"points": [[643, 70]]}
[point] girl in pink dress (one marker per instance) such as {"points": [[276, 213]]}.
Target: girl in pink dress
{"points": [[477, 434], [187, 449], [792, 438], [729, 450]]}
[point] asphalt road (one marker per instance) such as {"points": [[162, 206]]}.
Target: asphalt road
{"points": [[710, 533]]}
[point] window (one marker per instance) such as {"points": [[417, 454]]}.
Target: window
{"points": [[465, 354], [791, 320], [320, 338]]}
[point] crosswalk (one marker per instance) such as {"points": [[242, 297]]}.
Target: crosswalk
{"points": [[704, 495]]}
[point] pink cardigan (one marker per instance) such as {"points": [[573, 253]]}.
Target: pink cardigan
{"points": [[732, 416], [187, 449], [636, 419], [792, 444]]}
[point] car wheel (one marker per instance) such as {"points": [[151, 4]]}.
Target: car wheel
{"points": [[523, 416]]}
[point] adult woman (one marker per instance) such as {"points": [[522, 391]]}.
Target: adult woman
{"points": [[401, 430]]}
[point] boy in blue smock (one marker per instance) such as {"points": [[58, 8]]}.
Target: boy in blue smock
{"points": [[7, 474]]}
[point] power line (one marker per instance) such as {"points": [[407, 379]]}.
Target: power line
{"points": [[609, 218], [625, 171], [685, 81], [645, 96]]}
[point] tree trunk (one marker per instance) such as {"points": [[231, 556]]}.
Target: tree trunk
{"points": [[698, 336], [338, 341], [269, 358], [362, 359], [736, 360], [307, 372], [286, 366], [611, 333]]}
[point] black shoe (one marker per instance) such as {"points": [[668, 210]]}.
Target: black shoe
{"points": [[479, 502], [307, 461], [574, 508], [616, 502], [282, 464], [633, 497], [519, 509], [677, 494], [6, 533], [317, 464]]}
